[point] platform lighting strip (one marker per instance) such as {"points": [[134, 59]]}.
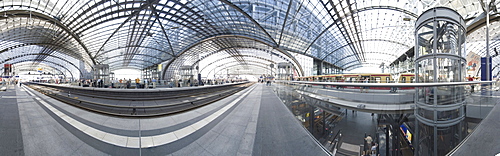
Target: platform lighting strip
{"points": [[146, 142]]}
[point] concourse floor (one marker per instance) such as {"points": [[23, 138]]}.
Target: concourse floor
{"points": [[251, 122], [354, 127]]}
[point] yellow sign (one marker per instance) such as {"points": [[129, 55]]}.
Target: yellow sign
{"points": [[160, 66]]}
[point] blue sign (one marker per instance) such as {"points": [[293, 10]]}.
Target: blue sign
{"points": [[484, 68]]}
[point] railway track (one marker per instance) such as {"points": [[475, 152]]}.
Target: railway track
{"points": [[166, 102]]}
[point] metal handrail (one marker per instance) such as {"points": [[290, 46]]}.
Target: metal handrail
{"points": [[356, 84]]}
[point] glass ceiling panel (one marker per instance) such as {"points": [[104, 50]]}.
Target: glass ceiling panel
{"points": [[141, 34]]}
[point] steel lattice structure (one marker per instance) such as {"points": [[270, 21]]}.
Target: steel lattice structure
{"points": [[140, 34]]}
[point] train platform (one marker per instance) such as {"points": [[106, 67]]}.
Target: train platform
{"points": [[253, 121]]}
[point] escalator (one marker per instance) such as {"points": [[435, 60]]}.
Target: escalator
{"points": [[394, 142]]}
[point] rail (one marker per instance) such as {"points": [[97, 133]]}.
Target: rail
{"points": [[140, 94], [191, 100]]}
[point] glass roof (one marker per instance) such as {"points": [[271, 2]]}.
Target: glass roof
{"points": [[79, 34]]}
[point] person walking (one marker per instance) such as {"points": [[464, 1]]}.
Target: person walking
{"points": [[154, 83], [137, 83], [128, 83], [99, 83]]}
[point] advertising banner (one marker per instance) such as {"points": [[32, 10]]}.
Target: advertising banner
{"points": [[473, 63]]}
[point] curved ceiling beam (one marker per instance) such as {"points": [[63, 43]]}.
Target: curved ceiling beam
{"points": [[34, 14], [122, 67], [379, 59], [386, 40], [251, 19], [284, 22], [56, 47], [348, 56], [231, 64], [57, 64], [95, 5], [136, 46], [385, 60], [224, 58], [371, 63], [385, 8], [380, 52], [253, 65], [44, 66], [19, 56], [98, 21], [134, 14], [481, 22], [383, 40], [345, 30], [145, 55], [335, 51], [238, 63], [238, 47], [354, 66], [137, 66], [163, 30], [356, 11], [320, 34], [133, 59], [296, 63], [23, 6]]}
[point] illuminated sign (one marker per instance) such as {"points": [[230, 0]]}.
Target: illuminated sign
{"points": [[406, 132]]}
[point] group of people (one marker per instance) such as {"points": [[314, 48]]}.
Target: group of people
{"points": [[91, 83], [268, 81], [145, 83], [115, 83]]}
